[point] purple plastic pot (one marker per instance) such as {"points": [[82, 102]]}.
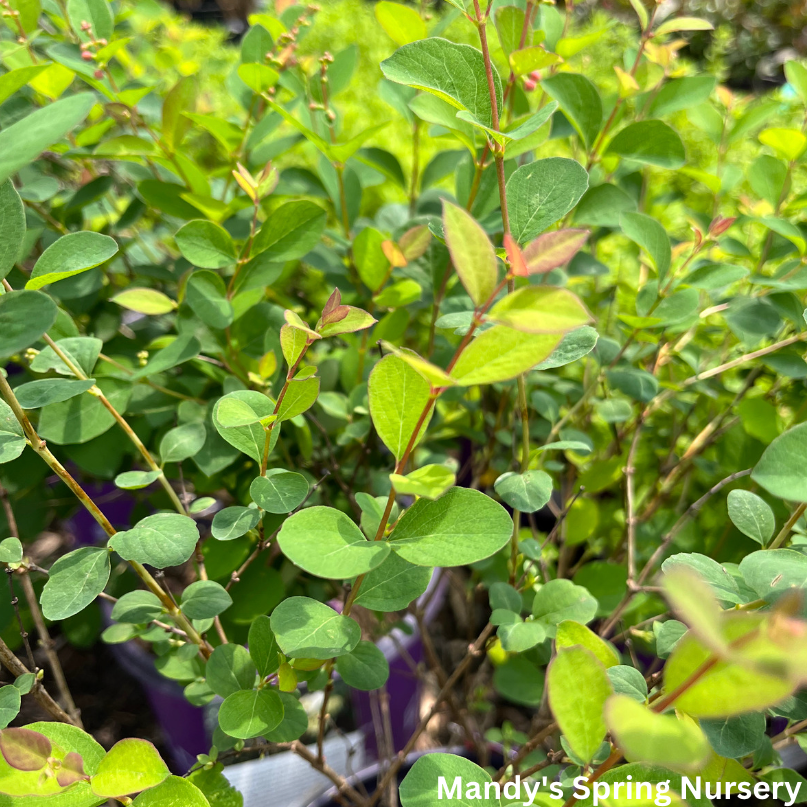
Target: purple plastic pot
{"points": [[182, 724]]}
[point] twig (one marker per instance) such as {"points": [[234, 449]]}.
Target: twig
{"points": [[691, 511], [473, 652], [17, 668], [784, 533]]}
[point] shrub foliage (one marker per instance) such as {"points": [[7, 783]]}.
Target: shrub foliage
{"points": [[553, 337]]}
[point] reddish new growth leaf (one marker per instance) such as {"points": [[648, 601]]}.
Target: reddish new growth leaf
{"points": [[552, 250], [720, 225], [334, 311], [24, 749], [71, 770], [515, 257]]}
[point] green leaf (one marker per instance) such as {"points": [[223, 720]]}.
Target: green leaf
{"points": [[399, 294], [694, 603], [398, 394], [751, 515], [10, 550], [10, 701], [429, 482], [504, 597], [205, 293], [527, 492], [230, 669], [371, 262], [301, 395], [326, 543], [771, 573], [543, 192], [82, 418], [509, 25], [723, 585], [129, 767], [136, 480], [420, 786], [571, 633], [206, 245], [12, 223], [433, 110], [306, 628], [651, 237], [781, 470], [645, 736], [233, 522], [182, 442], [668, 634], [463, 526], [263, 647], [791, 782], [16, 79], [471, 252], [637, 384], [95, 12], [602, 206], [561, 600], [279, 491], [454, 73], [401, 23], [184, 348], [75, 580], [518, 636], [179, 100], [683, 24], [580, 101], [161, 540], [295, 721], [573, 346], [247, 439], [365, 668], [71, 255], [137, 607], [628, 681], [291, 231], [532, 58], [173, 792], [205, 599], [12, 440], [250, 714], [727, 688], [519, 681], [540, 309], [36, 394], [502, 353], [22, 142], [578, 689], [681, 93], [83, 351], [735, 737], [24, 316], [651, 142], [145, 301], [393, 585]]}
